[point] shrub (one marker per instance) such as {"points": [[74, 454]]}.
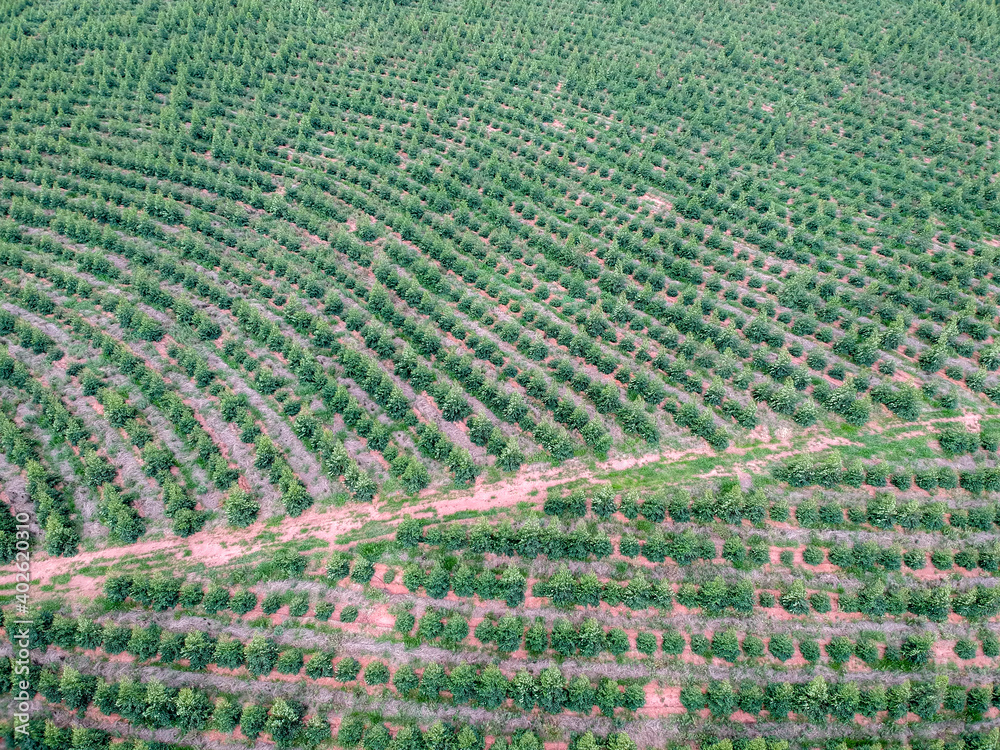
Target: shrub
{"points": [[955, 441], [839, 649], [628, 546], [876, 474], [241, 508], [226, 715], [320, 665], [700, 645], [654, 509], [455, 630], [299, 605], [809, 650], [630, 505], [350, 732], [734, 551], [243, 602], [272, 603], [362, 570], [751, 698], [942, 559], [338, 567], [966, 648], [779, 511], [253, 720], [926, 479], [433, 681], [536, 638], [721, 698], [881, 510], [692, 698], [901, 480], [260, 655], [916, 649], [673, 642], [409, 532], [866, 650], [967, 558], [947, 478], [794, 599], [405, 622], [813, 555], [285, 563], [191, 595], [972, 481], [377, 738], [347, 669], [348, 614], [820, 601], [978, 701], [289, 661], [991, 643], [726, 645], [781, 647], [616, 642], [216, 598], [915, 559], [283, 722], [603, 504], [117, 588], [645, 643], [165, 591], [376, 673], [753, 647], [983, 517], [431, 625], [228, 653]]}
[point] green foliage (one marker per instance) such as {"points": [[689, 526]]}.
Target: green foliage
{"points": [[241, 508]]}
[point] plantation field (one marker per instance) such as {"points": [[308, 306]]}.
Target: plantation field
{"points": [[439, 375]]}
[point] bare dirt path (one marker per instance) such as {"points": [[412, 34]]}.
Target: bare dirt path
{"points": [[221, 545]]}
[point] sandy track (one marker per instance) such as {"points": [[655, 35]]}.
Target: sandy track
{"points": [[221, 545]]}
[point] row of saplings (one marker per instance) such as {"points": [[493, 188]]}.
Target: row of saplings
{"points": [[532, 538], [152, 704], [730, 504], [564, 589], [828, 471], [912, 652], [486, 687], [714, 597], [162, 592], [354, 731], [509, 633], [817, 699]]}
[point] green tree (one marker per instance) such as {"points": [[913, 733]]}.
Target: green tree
{"points": [[283, 722], [491, 688], [721, 698], [376, 673], [194, 709], [551, 690], [76, 689], [260, 655], [253, 720], [241, 508]]}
